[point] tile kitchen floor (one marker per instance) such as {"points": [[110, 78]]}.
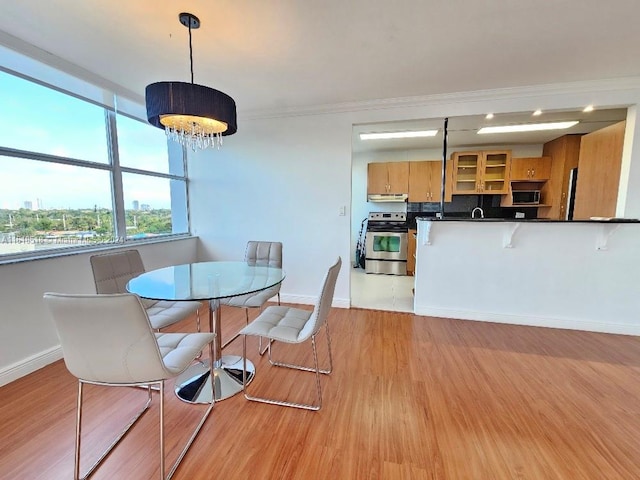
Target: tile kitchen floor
{"points": [[381, 292]]}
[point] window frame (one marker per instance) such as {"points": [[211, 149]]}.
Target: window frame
{"points": [[115, 174]]}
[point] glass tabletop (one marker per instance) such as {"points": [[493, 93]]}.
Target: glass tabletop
{"points": [[204, 281]]}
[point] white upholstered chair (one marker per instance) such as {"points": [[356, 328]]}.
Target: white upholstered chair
{"points": [[108, 340], [112, 272], [284, 325], [268, 254]]}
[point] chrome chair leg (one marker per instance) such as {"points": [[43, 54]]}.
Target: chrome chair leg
{"points": [[314, 406], [116, 440], [262, 351], [326, 371], [196, 431], [78, 440], [198, 329]]}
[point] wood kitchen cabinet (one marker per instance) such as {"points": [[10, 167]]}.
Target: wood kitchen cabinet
{"points": [[387, 177], [411, 252], [480, 173], [533, 169], [599, 167], [425, 181], [564, 152]]}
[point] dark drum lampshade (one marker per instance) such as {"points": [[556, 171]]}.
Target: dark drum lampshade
{"points": [[193, 115], [173, 104]]}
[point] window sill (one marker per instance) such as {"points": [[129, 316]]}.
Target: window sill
{"points": [[75, 250]]}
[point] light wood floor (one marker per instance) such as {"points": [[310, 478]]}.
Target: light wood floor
{"points": [[410, 398]]}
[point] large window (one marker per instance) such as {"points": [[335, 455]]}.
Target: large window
{"points": [[74, 174]]}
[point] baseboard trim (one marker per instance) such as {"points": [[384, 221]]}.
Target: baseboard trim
{"points": [[532, 321], [30, 365], [310, 300]]}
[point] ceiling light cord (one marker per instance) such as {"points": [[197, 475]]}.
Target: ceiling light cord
{"points": [[190, 51]]}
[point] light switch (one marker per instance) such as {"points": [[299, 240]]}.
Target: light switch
{"points": [[343, 211]]}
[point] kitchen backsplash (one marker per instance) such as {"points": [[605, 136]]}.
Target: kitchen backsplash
{"points": [[461, 207]]}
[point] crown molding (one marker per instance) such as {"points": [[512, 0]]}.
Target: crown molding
{"points": [[568, 88]]}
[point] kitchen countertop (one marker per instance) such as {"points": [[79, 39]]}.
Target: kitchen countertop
{"points": [[528, 220]]}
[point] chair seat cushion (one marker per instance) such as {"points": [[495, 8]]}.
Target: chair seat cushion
{"points": [[179, 349], [251, 300], [279, 323], [164, 313]]}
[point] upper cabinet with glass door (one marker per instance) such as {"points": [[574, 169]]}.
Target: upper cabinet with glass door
{"points": [[478, 173]]}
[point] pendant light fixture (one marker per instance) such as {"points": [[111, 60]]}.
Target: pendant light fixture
{"points": [[193, 115]]}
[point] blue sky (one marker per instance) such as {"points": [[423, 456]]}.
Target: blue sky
{"points": [[40, 119]]}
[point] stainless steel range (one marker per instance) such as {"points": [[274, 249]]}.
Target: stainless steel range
{"points": [[386, 243]]}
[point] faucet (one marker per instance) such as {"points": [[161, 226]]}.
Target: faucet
{"points": [[473, 212]]}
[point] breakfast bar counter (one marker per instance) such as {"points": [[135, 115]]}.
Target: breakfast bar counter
{"points": [[579, 275]]}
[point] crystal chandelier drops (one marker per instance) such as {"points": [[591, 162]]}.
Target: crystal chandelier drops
{"points": [[195, 138], [194, 132]]}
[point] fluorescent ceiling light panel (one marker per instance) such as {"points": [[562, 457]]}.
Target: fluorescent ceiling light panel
{"points": [[389, 135], [528, 127]]}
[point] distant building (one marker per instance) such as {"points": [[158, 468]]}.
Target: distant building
{"points": [[136, 205], [145, 207], [28, 204]]}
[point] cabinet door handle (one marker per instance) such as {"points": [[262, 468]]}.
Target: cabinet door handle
{"points": [[528, 173], [533, 173]]}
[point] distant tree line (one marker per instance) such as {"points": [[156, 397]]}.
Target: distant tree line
{"points": [[25, 222]]}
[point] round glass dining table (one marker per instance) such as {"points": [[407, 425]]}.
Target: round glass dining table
{"points": [[208, 281]]}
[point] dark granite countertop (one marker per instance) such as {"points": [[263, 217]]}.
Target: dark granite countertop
{"points": [[528, 220]]}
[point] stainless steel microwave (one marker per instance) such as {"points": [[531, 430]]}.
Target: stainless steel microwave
{"points": [[526, 197]]}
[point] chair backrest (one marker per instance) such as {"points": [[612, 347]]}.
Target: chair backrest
{"points": [[264, 254], [106, 338], [323, 305], [112, 271]]}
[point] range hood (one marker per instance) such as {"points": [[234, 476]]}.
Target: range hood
{"points": [[387, 197]]}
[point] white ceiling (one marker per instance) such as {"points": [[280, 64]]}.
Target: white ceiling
{"points": [[286, 54]]}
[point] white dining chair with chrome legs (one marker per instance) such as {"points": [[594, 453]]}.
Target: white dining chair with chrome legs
{"points": [[282, 325], [259, 253], [111, 273], [107, 340]]}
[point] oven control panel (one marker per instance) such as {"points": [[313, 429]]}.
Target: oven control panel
{"points": [[388, 216]]}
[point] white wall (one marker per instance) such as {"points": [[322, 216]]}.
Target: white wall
{"points": [[565, 275], [282, 179], [28, 339]]}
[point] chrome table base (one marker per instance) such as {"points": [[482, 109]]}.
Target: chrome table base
{"points": [[193, 386]]}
